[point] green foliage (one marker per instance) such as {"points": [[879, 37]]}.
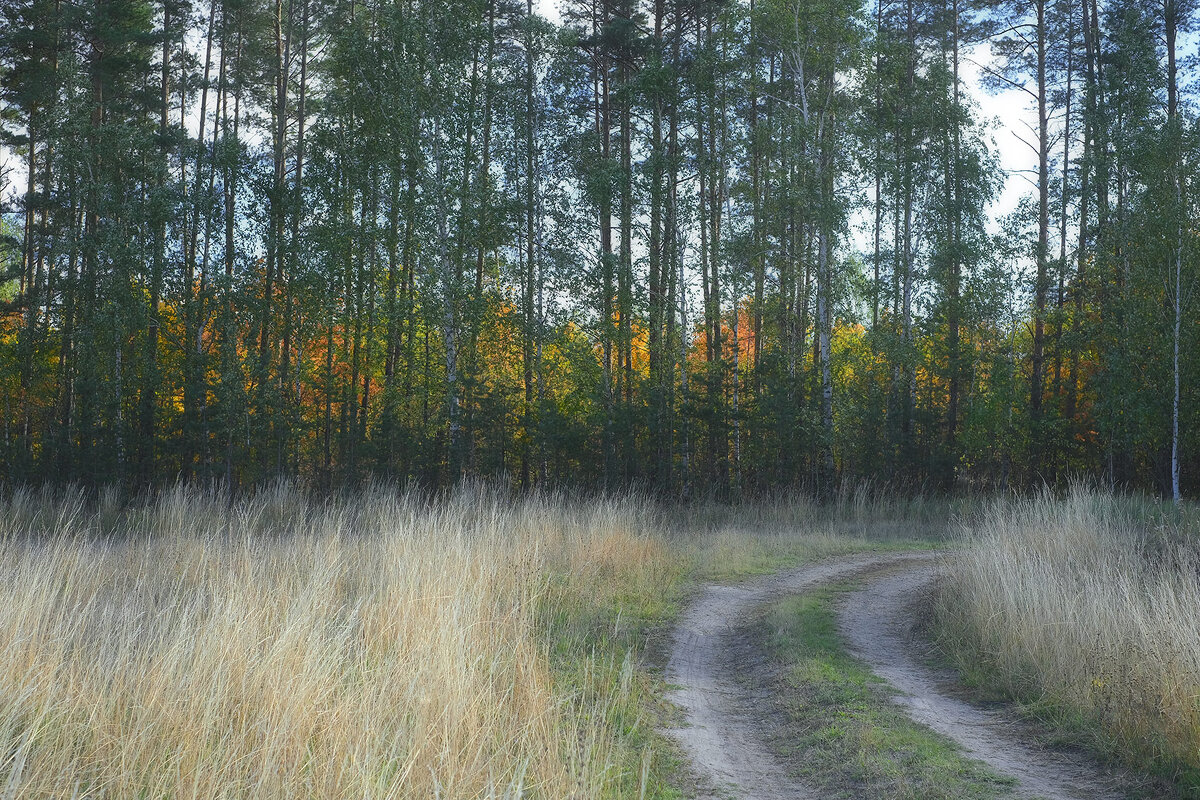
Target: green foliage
{"points": [[253, 239]]}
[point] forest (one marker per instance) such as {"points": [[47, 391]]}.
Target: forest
{"points": [[705, 247]]}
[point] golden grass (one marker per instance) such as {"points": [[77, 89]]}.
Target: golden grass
{"points": [[381, 647], [374, 646], [1089, 607]]}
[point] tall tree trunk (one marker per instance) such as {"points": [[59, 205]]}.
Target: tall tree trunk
{"points": [[625, 272], [954, 299], [449, 322], [677, 279], [193, 378], [1041, 282], [291, 397], [877, 166], [531, 257], [266, 404], [1060, 299], [150, 378], [603, 121], [824, 181], [656, 258], [1175, 131]]}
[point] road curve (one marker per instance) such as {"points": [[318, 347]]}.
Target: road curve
{"points": [[723, 734], [877, 623], [721, 737]]}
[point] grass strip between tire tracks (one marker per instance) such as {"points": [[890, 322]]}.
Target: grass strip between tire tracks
{"points": [[839, 729]]}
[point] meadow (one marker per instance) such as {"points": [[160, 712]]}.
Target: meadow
{"points": [[479, 644], [1086, 610], [380, 644]]}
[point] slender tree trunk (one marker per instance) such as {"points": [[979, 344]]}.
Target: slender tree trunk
{"points": [[1037, 376], [193, 379], [28, 290], [449, 286], [877, 166], [1171, 14], [677, 282], [625, 273], [603, 120], [150, 378], [954, 299], [266, 404], [657, 279], [1060, 299], [527, 411], [824, 312], [291, 396]]}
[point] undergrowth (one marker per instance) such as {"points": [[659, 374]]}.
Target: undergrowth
{"points": [[1084, 610]]}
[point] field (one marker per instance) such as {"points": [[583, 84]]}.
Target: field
{"points": [[483, 645], [380, 645], [1086, 610]]}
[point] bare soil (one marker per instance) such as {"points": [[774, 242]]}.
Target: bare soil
{"points": [[725, 736]]}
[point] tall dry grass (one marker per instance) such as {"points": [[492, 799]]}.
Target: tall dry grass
{"points": [[378, 646], [1089, 607]]}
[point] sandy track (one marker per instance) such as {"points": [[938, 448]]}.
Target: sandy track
{"points": [[725, 731], [878, 623], [723, 737]]}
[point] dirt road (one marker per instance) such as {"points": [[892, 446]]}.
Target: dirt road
{"points": [[724, 731], [877, 622]]}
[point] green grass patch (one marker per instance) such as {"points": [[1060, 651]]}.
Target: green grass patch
{"points": [[733, 557], [597, 630], [843, 733]]}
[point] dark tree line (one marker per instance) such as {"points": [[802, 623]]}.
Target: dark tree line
{"points": [[692, 245]]}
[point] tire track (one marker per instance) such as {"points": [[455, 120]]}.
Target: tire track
{"points": [[724, 735], [722, 738], [878, 621]]}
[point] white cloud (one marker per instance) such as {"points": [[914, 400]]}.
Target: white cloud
{"points": [[548, 9]]}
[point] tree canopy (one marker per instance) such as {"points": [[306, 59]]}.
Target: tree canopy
{"points": [[694, 246]]}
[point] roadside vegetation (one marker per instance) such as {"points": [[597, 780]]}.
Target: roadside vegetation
{"points": [[1084, 609], [374, 645]]}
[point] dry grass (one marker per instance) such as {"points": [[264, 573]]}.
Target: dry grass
{"points": [[379, 645], [1090, 608], [729, 542]]}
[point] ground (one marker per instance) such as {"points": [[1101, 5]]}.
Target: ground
{"points": [[813, 683]]}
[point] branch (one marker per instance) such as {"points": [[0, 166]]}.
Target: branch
{"points": [[1004, 78], [1036, 152], [1013, 29]]}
